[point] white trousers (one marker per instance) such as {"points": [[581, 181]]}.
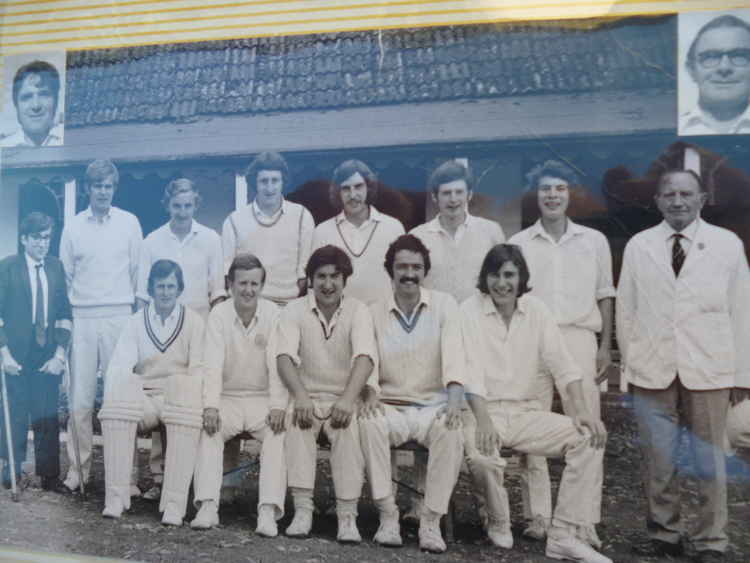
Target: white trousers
{"points": [[93, 342], [738, 425], [238, 415], [347, 461], [538, 433], [535, 489], [420, 424]]}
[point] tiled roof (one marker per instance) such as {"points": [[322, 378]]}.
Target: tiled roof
{"points": [[181, 82]]}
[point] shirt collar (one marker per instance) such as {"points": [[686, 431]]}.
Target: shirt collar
{"points": [[194, 228], [424, 300], [571, 229], [89, 214], [696, 116], [31, 263], [375, 216], [313, 305], [282, 209], [688, 232], [488, 305], [156, 319], [238, 320], [434, 226]]}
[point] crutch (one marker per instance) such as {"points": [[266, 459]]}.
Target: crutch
{"points": [[9, 438], [73, 431]]}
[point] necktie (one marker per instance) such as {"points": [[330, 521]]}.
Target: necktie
{"points": [[39, 310], [678, 254]]}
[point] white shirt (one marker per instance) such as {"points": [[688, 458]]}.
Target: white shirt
{"points": [[697, 122], [456, 260], [20, 139], [570, 275], [199, 255], [31, 266], [507, 361], [163, 329], [240, 360], [421, 354], [366, 246], [101, 258], [695, 324], [325, 351]]}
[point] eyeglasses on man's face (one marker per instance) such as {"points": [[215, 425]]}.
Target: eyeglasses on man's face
{"points": [[713, 57]]}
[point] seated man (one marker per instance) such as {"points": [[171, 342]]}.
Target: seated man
{"points": [[242, 393], [421, 376], [325, 356], [509, 339], [155, 376]]}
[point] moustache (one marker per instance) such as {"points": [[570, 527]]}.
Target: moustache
{"points": [[407, 279]]}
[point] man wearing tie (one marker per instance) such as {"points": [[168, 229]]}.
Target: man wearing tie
{"points": [[683, 315], [35, 323]]}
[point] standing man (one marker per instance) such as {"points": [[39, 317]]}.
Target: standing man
{"points": [[325, 355], [421, 378], [571, 272], [510, 337], [242, 393], [35, 323], [36, 91], [100, 251], [155, 376], [197, 249], [360, 229], [457, 240], [718, 61], [683, 316], [277, 231]]}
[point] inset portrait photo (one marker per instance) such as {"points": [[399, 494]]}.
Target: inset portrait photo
{"points": [[33, 100]]}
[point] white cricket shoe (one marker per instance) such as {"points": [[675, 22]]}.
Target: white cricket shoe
{"points": [[267, 522], [301, 524], [572, 549], [207, 517]]}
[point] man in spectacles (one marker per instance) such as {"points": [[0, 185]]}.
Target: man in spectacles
{"points": [[718, 61]]}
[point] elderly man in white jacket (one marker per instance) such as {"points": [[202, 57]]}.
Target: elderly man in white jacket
{"points": [[683, 313]]}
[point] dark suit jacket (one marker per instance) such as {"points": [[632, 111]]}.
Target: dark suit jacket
{"points": [[15, 307]]}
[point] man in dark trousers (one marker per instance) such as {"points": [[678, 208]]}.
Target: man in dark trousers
{"points": [[35, 324]]}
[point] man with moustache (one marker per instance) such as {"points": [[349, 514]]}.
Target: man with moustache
{"points": [[421, 377], [457, 240], [100, 250], [510, 337], [35, 323], [718, 61], [155, 377], [242, 393], [325, 356], [275, 230], [571, 271], [197, 249], [36, 91], [683, 316], [360, 229]]}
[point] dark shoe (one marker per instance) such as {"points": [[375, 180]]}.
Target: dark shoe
{"points": [[709, 556], [659, 548], [53, 484]]}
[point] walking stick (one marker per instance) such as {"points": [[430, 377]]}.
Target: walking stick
{"points": [[9, 438], [74, 432]]}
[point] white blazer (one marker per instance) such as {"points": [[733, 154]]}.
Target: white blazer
{"points": [[697, 324]]}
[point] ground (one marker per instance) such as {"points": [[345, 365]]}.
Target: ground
{"points": [[53, 523]]}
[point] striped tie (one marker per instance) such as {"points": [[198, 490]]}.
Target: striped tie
{"points": [[678, 254], [41, 337]]}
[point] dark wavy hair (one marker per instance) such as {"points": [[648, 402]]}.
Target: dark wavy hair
{"points": [[47, 74], [406, 242], [162, 269], [245, 261], [553, 168], [343, 172], [34, 223], [329, 255], [266, 161], [496, 257]]}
